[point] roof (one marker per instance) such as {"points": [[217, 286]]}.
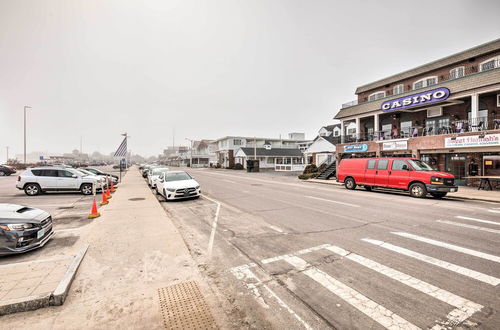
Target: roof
{"points": [[458, 57], [274, 152], [332, 139], [251, 138], [330, 127]]}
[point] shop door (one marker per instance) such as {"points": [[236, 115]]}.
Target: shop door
{"points": [[455, 164]]}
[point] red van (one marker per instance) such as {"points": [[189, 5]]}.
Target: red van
{"points": [[407, 174]]}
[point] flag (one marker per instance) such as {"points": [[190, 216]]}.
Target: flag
{"points": [[122, 149]]}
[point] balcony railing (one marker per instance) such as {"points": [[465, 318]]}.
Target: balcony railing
{"points": [[456, 73], [451, 127]]}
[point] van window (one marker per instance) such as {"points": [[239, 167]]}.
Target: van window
{"points": [[397, 165], [371, 164], [382, 164]]}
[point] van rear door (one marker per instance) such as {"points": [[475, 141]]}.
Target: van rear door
{"points": [[370, 172], [382, 173]]}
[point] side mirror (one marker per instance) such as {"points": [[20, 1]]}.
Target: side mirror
{"points": [[405, 168], [74, 176]]}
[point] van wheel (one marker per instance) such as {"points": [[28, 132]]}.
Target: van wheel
{"points": [[418, 190], [368, 188], [32, 189], [438, 195], [350, 184], [86, 188]]}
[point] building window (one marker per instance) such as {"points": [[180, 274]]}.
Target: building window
{"points": [[398, 89], [425, 82], [457, 72], [237, 142], [490, 64], [376, 96]]}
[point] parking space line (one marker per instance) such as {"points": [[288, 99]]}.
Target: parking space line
{"points": [[35, 261], [436, 262], [494, 211], [478, 220], [450, 246], [370, 308], [214, 226], [495, 231], [332, 201], [278, 229], [464, 308]]}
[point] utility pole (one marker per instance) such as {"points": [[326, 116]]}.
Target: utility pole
{"points": [[7, 148], [25, 107]]}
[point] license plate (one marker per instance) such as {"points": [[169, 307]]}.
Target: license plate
{"points": [[453, 189], [40, 233]]}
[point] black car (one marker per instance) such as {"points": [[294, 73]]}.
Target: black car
{"points": [[6, 170], [23, 228]]}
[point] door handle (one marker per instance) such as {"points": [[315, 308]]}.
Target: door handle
{"points": [[376, 172], [389, 172]]}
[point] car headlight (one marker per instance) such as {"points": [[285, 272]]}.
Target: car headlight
{"points": [[197, 187], [17, 226], [171, 189], [437, 180]]}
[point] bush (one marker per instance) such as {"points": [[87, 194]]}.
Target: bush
{"points": [[230, 166], [237, 166], [310, 169], [307, 176]]}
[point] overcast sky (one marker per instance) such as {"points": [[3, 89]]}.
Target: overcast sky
{"points": [[98, 68]]}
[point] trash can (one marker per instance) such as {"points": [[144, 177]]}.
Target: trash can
{"points": [[252, 165]]}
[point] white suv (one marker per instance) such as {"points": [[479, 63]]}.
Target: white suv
{"points": [[40, 179]]}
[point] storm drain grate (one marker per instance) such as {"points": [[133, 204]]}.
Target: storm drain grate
{"points": [[184, 307]]}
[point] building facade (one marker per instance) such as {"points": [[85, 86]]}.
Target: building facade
{"points": [[323, 149], [445, 112]]}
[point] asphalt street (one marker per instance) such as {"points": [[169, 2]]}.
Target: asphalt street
{"points": [[290, 255]]}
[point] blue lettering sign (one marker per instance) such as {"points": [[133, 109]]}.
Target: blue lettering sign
{"points": [[356, 148]]}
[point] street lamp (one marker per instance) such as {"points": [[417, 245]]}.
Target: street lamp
{"points": [[25, 107], [190, 153]]}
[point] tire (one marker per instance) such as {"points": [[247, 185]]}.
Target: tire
{"points": [[86, 189], [2, 173], [368, 188], [350, 184], [418, 190], [438, 195], [165, 195], [156, 191], [32, 189]]}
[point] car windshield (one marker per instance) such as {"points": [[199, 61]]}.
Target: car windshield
{"points": [[419, 165], [158, 171], [177, 176]]}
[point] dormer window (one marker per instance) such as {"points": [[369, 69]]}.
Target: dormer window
{"points": [[490, 64], [425, 82], [457, 72], [376, 96], [398, 89]]}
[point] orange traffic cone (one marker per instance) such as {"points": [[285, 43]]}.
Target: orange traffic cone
{"points": [[104, 199], [94, 214], [108, 193], [113, 189]]}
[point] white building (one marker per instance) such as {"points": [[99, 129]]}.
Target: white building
{"points": [[278, 159], [323, 147]]}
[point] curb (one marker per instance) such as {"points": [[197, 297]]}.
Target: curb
{"points": [[328, 182], [55, 298]]}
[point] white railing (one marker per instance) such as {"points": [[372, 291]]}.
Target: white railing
{"points": [[289, 167]]}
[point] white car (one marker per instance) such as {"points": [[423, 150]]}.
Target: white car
{"points": [[40, 179], [154, 174], [177, 185]]}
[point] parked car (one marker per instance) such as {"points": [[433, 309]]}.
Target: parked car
{"points": [[114, 178], [406, 174], [177, 185], [154, 174], [6, 170], [147, 169], [23, 228], [41, 179]]}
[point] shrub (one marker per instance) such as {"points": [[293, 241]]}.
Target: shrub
{"points": [[310, 169], [237, 166], [307, 176]]}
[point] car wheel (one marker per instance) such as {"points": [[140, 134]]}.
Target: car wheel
{"points": [[165, 195], [438, 195], [32, 189], [86, 189], [418, 190], [2, 173], [350, 183], [368, 188], [156, 191]]}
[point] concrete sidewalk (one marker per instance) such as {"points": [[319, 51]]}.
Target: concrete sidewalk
{"points": [[462, 193], [134, 250]]}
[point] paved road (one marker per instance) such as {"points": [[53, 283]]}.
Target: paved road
{"points": [[291, 255]]}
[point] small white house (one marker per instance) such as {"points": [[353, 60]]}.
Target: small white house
{"points": [[323, 147], [278, 159]]}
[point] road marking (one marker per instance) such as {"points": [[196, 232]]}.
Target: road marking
{"points": [[296, 253], [495, 231], [229, 181], [245, 273], [478, 220], [56, 231], [450, 246], [436, 262], [493, 211], [278, 229], [214, 226], [331, 201], [370, 308], [464, 308], [35, 261]]}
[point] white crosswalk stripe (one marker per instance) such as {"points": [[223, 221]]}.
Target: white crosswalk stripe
{"points": [[376, 312], [436, 262], [450, 246], [495, 231], [478, 220], [464, 308]]}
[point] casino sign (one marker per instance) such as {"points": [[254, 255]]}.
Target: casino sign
{"points": [[414, 100]]}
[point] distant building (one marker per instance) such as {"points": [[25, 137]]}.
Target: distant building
{"points": [[322, 150]]}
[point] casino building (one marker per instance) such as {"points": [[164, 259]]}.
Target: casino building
{"points": [[446, 112]]}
